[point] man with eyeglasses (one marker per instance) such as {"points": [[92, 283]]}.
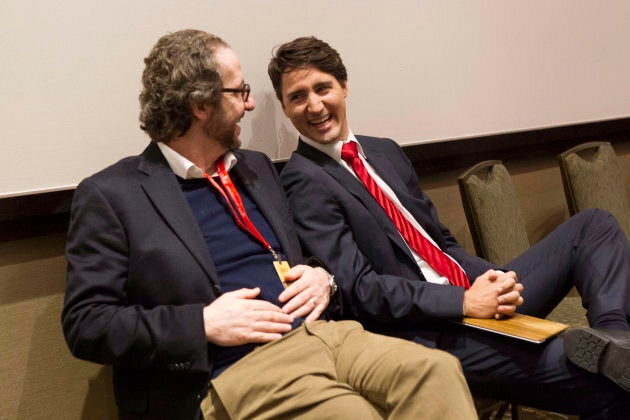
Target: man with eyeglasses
{"points": [[358, 206], [185, 274]]}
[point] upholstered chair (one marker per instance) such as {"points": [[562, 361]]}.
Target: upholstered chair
{"points": [[593, 178], [493, 212], [499, 235]]}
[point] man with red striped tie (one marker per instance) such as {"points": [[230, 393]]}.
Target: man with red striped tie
{"points": [[357, 205]]}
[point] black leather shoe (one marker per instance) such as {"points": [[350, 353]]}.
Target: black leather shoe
{"points": [[601, 351]]}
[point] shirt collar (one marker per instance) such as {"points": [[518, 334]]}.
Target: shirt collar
{"points": [[334, 149], [185, 169]]}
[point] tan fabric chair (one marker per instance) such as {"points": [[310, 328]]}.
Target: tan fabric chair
{"points": [[499, 235], [593, 178], [493, 212]]}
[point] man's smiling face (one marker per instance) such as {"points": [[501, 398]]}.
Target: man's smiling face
{"points": [[315, 102]]}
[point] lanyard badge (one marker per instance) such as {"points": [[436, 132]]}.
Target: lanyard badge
{"points": [[235, 204]]}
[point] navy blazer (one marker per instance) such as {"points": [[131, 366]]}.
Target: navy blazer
{"points": [[336, 217], [140, 273]]}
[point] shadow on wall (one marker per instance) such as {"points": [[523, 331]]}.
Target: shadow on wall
{"points": [[269, 129], [99, 401]]}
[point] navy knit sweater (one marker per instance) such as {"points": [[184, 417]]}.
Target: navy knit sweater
{"points": [[241, 261]]}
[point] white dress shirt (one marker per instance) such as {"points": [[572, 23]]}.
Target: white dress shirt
{"points": [[185, 169]]}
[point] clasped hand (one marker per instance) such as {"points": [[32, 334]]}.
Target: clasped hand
{"points": [[237, 317], [493, 295]]}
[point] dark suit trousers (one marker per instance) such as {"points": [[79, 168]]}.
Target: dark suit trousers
{"points": [[590, 252]]}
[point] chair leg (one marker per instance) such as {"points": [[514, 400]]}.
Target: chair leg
{"points": [[502, 410]]}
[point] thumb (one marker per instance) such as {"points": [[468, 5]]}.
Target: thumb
{"points": [[295, 272]]}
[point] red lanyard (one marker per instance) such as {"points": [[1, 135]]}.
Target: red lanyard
{"points": [[233, 199]]}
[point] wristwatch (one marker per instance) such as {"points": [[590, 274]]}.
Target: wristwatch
{"points": [[331, 281]]}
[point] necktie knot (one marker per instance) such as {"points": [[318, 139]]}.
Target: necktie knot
{"points": [[349, 151]]}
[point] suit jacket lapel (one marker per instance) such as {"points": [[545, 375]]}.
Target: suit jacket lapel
{"points": [[357, 189], [163, 190], [267, 198], [389, 174], [345, 178]]}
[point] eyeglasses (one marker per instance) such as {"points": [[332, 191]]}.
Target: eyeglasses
{"points": [[244, 91]]}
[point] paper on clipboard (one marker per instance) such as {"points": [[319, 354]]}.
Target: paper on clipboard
{"points": [[523, 327]]}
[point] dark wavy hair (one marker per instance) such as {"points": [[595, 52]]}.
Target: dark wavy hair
{"points": [[302, 53], [180, 70]]}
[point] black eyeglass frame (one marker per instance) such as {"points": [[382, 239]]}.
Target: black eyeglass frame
{"points": [[244, 91]]}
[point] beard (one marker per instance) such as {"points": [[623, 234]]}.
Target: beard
{"points": [[225, 132]]}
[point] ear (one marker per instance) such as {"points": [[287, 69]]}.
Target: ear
{"points": [[201, 111], [344, 87]]}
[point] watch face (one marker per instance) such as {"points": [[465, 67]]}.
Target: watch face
{"points": [[332, 284]]}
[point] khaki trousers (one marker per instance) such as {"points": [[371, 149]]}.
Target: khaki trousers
{"points": [[337, 370]]}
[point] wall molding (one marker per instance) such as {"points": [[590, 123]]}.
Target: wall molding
{"points": [[47, 213]]}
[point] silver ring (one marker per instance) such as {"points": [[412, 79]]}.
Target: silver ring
{"points": [[313, 301]]}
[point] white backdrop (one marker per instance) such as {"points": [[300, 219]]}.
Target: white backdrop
{"points": [[418, 71]]}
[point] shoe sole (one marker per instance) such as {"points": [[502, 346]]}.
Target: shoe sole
{"points": [[597, 353]]}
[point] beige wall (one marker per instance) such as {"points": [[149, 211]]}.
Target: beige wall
{"points": [[39, 378]]}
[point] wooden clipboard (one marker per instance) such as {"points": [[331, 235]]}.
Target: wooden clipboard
{"points": [[523, 327]]}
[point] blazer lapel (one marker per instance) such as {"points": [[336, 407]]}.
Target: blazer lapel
{"points": [[383, 166], [268, 199], [357, 189], [164, 191]]}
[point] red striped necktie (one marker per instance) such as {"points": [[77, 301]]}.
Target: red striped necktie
{"points": [[433, 255]]}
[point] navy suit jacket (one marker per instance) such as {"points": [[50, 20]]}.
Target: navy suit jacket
{"points": [[381, 283], [140, 273]]}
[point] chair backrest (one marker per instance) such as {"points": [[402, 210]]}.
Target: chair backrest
{"points": [[493, 212], [593, 178]]}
